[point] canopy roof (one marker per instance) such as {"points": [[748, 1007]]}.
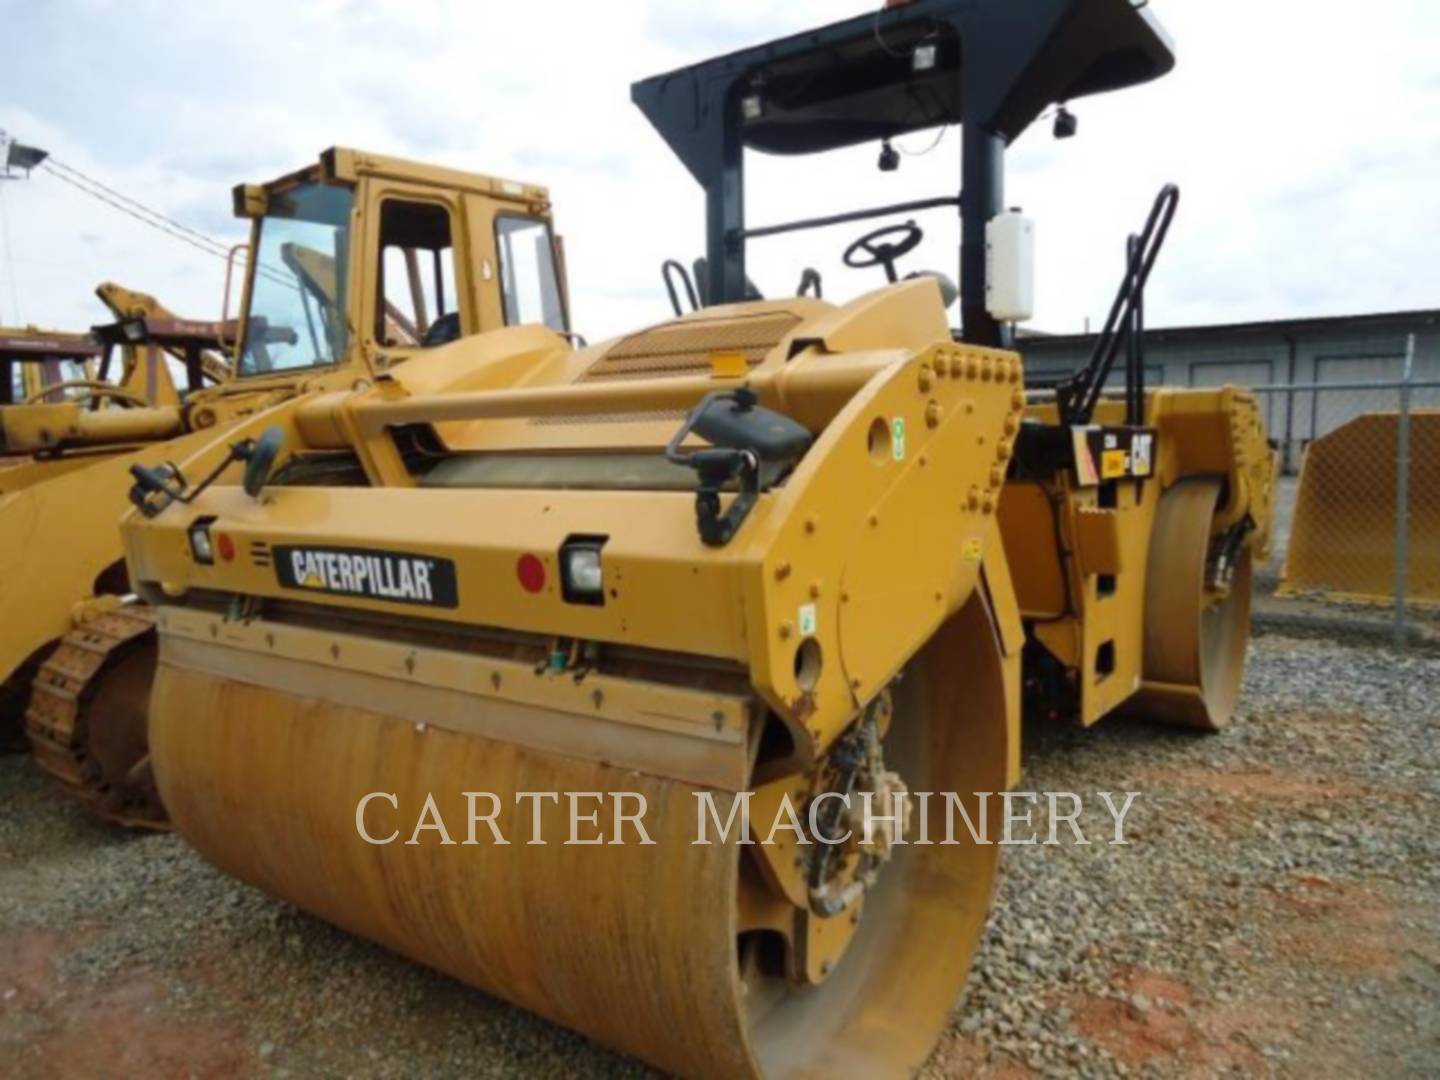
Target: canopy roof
{"points": [[998, 63]]}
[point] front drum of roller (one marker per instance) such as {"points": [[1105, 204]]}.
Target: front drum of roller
{"points": [[632, 945]]}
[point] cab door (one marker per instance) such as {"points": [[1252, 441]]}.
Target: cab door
{"points": [[413, 292]]}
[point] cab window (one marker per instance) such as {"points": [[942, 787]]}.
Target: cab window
{"points": [[28, 378], [296, 317], [418, 305], [528, 281]]}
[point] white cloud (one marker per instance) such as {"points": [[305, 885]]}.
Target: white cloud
{"points": [[1306, 137]]}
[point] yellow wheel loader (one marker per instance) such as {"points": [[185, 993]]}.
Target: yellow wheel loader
{"points": [[358, 262], [36, 365], [646, 684], [72, 371], [32, 361]]}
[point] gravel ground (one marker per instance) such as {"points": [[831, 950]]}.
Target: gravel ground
{"points": [[1276, 912]]}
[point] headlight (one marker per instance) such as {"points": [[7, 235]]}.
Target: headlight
{"points": [[582, 574], [201, 546]]}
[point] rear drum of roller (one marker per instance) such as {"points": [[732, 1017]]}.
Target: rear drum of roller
{"points": [[1195, 637]]}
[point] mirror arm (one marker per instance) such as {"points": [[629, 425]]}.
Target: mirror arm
{"points": [[156, 488]]}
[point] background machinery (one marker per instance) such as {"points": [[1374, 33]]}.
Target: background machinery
{"points": [[769, 551], [31, 360], [58, 387], [1342, 540], [50, 384], [357, 262]]}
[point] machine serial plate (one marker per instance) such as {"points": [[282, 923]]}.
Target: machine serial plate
{"points": [[396, 576]]}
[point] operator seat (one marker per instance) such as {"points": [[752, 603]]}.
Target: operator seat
{"points": [[442, 331]]}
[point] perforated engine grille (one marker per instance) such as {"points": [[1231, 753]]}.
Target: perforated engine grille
{"points": [[686, 347]]}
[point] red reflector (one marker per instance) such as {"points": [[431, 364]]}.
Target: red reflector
{"points": [[225, 546], [531, 572]]}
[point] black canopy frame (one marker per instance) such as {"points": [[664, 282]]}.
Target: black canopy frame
{"points": [[990, 66]]}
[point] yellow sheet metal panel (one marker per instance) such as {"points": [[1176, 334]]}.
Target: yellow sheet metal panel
{"points": [[57, 537], [21, 472], [1111, 651], [910, 316], [1342, 540], [1097, 537], [1009, 639], [659, 576], [1030, 532], [687, 733], [1220, 432], [349, 164], [879, 534]]}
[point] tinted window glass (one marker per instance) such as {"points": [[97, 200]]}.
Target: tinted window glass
{"points": [[528, 280], [297, 303]]}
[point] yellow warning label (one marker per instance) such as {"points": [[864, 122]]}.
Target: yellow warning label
{"points": [[728, 365], [974, 549], [1113, 463]]}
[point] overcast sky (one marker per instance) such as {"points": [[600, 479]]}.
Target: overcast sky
{"points": [[1304, 133]]}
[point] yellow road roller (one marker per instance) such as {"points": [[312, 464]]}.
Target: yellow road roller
{"points": [[405, 250], [661, 686]]}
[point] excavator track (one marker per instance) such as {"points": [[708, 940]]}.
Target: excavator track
{"points": [[86, 718], [13, 694]]}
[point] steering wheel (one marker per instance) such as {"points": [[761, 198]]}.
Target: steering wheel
{"points": [[94, 391], [882, 251]]}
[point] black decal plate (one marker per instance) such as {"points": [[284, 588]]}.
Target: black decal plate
{"points": [[397, 577]]}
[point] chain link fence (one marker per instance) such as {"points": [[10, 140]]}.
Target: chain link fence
{"points": [[1358, 507]]}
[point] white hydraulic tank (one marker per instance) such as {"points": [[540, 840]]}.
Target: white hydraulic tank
{"points": [[1010, 267]]}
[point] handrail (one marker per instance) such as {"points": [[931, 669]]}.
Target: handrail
{"points": [[669, 268], [844, 219], [1078, 395]]}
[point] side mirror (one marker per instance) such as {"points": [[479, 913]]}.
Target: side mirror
{"points": [[260, 460], [155, 489]]}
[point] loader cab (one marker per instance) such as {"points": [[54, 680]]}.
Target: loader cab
{"points": [[375, 256], [37, 365], [982, 65]]}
